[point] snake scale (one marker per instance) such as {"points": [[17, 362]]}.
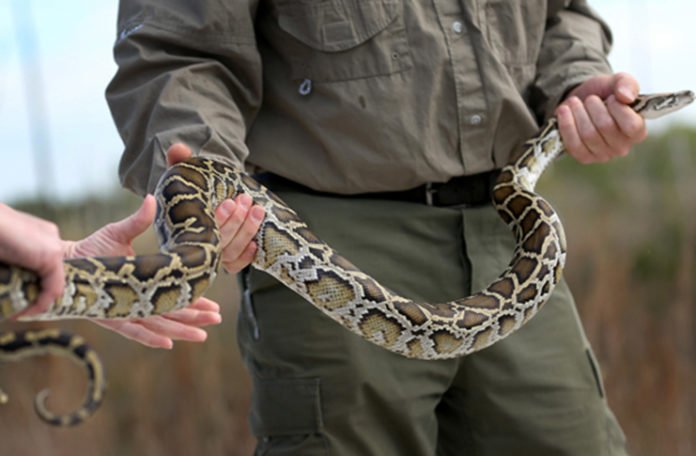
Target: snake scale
{"points": [[187, 194]]}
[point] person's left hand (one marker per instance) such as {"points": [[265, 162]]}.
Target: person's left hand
{"points": [[595, 121], [156, 331]]}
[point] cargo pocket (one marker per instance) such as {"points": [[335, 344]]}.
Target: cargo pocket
{"points": [[286, 417], [340, 40]]}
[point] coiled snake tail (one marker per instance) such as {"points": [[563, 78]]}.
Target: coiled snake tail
{"points": [[19, 345]]}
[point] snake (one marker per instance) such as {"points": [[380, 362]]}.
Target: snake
{"points": [[187, 194]]}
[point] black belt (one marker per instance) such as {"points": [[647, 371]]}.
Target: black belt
{"points": [[472, 190]]}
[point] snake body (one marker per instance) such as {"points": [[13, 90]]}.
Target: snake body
{"points": [[187, 194]]}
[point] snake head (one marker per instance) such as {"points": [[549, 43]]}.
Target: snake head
{"points": [[658, 104]]}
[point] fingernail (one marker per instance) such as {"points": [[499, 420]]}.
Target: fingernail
{"points": [[257, 213], [562, 111], [575, 101], [626, 93], [226, 208], [245, 200]]}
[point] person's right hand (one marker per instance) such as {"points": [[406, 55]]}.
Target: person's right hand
{"points": [[35, 244], [596, 121]]}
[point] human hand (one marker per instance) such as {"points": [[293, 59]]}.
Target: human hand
{"points": [[239, 221], [158, 331], [595, 121], [35, 244]]}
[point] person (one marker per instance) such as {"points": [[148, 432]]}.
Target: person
{"points": [[383, 124], [35, 244]]}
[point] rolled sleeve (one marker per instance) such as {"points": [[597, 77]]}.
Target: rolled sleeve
{"points": [[188, 72], [574, 49]]}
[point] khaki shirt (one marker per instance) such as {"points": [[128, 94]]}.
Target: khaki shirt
{"points": [[345, 96]]}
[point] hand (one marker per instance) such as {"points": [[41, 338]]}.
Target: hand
{"points": [[238, 220], [35, 244], [160, 331], [157, 331], [595, 121]]}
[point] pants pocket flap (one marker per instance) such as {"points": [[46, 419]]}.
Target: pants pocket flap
{"points": [[286, 407]]}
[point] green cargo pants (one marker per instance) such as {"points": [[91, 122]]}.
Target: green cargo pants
{"points": [[321, 390]]}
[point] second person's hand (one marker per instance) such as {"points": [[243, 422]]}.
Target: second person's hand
{"points": [[238, 220]]}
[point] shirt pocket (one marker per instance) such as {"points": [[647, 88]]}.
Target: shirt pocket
{"points": [[339, 40]]}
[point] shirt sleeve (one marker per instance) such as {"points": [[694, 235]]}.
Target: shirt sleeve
{"points": [[188, 71], [574, 48]]}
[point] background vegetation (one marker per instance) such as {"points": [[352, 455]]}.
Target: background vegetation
{"points": [[631, 226]]}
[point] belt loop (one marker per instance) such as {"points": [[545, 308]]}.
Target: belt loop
{"points": [[429, 193]]}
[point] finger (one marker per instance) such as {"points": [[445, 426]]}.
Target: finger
{"points": [[619, 144], [51, 287], [245, 234], [631, 124], [136, 332], [124, 231], [205, 304], [194, 317], [173, 329], [569, 133], [587, 131], [235, 265], [602, 86], [230, 225], [224, 210], [229, 217], [626, 88], [52, 283], [178, 152]]}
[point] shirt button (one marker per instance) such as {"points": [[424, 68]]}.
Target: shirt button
{"points": [[475, 119], [457, 27]]}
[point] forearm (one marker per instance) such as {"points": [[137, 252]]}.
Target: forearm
{"points": [[188, 72], [574, 49]]}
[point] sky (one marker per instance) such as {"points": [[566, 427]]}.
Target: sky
{"points": [[74, 39]]}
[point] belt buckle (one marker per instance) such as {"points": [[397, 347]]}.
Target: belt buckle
{"points": [[429, 194]]}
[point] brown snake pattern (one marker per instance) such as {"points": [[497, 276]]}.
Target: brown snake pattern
{"points": [[139, 286]]}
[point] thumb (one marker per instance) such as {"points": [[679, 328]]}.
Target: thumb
{"points": [[135, 224], [625, 88], [178, 152]]}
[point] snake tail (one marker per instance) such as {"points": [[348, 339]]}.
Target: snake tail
{"points": [[22, 344]]}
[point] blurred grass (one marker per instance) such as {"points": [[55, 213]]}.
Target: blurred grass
{"points": [[631, 227]]}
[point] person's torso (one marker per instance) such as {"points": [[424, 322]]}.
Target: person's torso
{"points": [[380, 95]]}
